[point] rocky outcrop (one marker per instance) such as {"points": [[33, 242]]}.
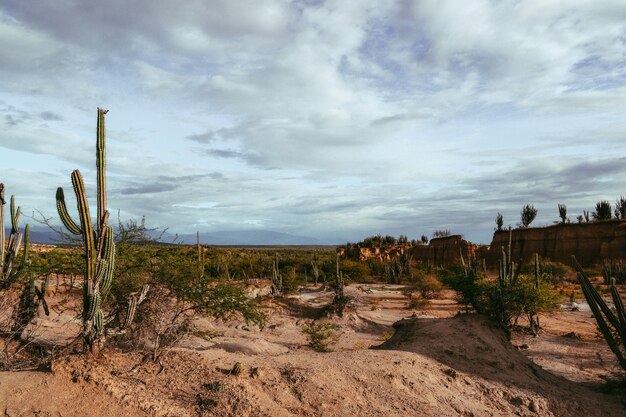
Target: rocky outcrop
{"points": [[380, 254], [440, 251], [589, 242], [446, 250]]}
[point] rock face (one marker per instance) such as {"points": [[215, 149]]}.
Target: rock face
{"points": [[380, 254], [446, 250], [440, 251], [589, 242]]}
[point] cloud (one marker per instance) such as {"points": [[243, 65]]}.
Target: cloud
{"points": [[326, 118]]}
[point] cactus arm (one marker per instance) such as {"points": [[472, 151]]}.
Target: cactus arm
{"points": [[103, 232], [65, 217], [15, 215], [604, 328], [101, 166], [2, 231], [619, 307], [584, 282], [107, 262], [87, 228], [25, 252], [93, 306], [14, 247]]}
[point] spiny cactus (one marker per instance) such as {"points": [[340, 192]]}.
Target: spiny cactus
{"points": [[237, 369], [9, 271], [612, 325], [508, 273], [30, 300], [614, 269], [99, 247], [339, 301], [277, 279]]}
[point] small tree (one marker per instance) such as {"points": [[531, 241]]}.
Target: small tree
{"points": [[620, 208], [424, 239], [563, 212], [499, 222], [441, 233], [528, 214], [603, 211]]}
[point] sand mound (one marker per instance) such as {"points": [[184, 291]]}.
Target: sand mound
{"points": [[251, 347], [430, 367]]}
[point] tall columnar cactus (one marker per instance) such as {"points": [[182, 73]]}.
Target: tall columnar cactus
{"points": [[99, 247], [611, 324], [277, 279], [9, 270]]}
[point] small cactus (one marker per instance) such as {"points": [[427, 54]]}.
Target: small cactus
{"points": [[10, 271], [237, 369]]}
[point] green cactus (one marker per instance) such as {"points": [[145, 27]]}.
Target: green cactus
{"points": [[237, 369], [99, 246], [99, 249], [10, 272], [612, 324]]}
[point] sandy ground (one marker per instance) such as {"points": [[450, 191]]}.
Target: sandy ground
{"points": [[430, 363]]}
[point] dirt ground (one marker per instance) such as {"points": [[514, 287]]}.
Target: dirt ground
{"points": [[389, 361]]}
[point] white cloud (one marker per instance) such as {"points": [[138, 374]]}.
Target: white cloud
{"points": [[322, 117]]}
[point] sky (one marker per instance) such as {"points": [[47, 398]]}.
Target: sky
{"points": [[330, 119]]}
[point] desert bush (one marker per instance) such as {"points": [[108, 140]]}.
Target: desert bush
{"points": [[620, 208], [499, 221], [425, 282], [322, 336], [441, 233], [614, 269], [527, 215], [354, 271], [603, 211], [525, 296], [562, 212], [506, 299], [469, 286], [417, 300]]}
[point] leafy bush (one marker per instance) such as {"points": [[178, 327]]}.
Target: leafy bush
{"points": [[526, 296], [499, 221], [563, 212], [504, 304], [620, 208], [322, 336], [528, 214], [603, 211]]}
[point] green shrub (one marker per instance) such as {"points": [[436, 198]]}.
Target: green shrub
{"points": [[527, 215], [603, 211], [322, 336]]}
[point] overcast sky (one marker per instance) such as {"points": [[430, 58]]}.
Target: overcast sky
{"points": [[331, 119]]}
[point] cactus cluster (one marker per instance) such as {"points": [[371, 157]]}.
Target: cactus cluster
{"points": [[9, 270], [611, 324], [508, 273], [614, 269]]}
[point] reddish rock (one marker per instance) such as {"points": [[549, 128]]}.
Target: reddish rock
{"points": [[446, 250], [589, 242]]}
